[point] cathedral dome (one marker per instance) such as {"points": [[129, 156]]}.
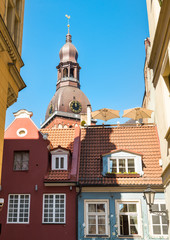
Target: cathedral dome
{"points": [[68, 52], [64, 100]]}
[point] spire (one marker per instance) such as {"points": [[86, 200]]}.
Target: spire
{"points": [[68, 36]]}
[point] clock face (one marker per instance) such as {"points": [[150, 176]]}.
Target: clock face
{"points": [[50, 110], [75, 106]]}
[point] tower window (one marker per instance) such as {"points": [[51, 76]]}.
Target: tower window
{"points": [[72, 72], [65, 72]]}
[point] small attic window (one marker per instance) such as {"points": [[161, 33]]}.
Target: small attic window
{"points": [[59, 162], [59, 159]]}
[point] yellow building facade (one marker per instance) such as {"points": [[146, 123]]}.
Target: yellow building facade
{"points": [[11, 82], [157, 81]]}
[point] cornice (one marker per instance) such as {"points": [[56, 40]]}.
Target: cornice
{"points": [[10, 45], [16, 76]]}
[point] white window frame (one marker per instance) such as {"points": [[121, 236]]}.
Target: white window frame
{"points": [[53, 213], [117, 163], [157, 201], [126, 155], [18, 208], [138, 207], [54, 162], [86, 214]]}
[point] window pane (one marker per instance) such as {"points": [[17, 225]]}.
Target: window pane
{"points": [[61, 162], [25, 159], [113, 165], [101, 229], [133, 230], [163, 207], [165, 230], [156, 229], [91, 207], [155, 207], [131, 165], [123, 207], [122, 168], [164, 220], [101, 220], [92, 220], [133, 220], [124, 228], [57, 162], [132, 207], [155, 219], [100, 207], [92, 229]]}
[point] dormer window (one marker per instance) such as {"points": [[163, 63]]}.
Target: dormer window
{"points": [[60, 162], [59, 159], [122, 162]]}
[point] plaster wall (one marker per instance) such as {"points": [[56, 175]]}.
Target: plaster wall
{"points": [[153, 9], [23, 182], [162, 116]]}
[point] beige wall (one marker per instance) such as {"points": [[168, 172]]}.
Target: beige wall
{"points": [[159, 64], [153, 9]]}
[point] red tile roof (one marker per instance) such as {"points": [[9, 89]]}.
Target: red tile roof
{"points": [[62, 137], [100, 140], [65, 139], [57, 175]]}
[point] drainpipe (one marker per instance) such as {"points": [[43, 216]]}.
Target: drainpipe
{"points": [[88, 114], [77, 196]]}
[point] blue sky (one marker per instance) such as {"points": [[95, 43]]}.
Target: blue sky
{"points": [[109, 36]]}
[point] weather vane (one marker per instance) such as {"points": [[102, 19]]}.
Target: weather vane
{"points": [[68, 25]]}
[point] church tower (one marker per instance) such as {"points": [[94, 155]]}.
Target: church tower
{"points": [[69, 103]]}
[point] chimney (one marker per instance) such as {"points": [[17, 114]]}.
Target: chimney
{"points": [[88, 114]]}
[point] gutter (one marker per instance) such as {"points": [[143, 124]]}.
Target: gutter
{"points": [[77, 196]]}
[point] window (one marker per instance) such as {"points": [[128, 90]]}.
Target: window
{"points": [[159, 224], [14, 15], [18, 208], [121, 165], [21, 160], [65, 72], [96, 217], [59, 162], [54, 206], [128, 218], [72, 72]]}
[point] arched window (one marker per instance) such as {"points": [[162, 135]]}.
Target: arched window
{"points": [[60, 125], [72, 72], [65, 72]]}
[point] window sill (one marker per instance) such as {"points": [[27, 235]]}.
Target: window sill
{"points": [[21, 170], [97, 235], [123, 175], [129, 236]]}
